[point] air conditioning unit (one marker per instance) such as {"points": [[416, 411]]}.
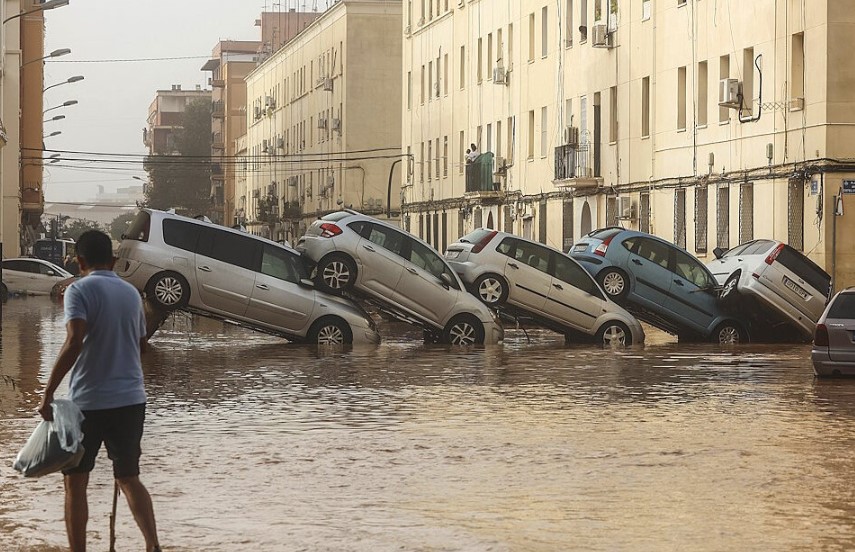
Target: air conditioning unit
{"points": [[322, 122], [328, 84], [500, 76], [728, 93], [571, 136], [625, 209], [336, 124], [600, 36]]}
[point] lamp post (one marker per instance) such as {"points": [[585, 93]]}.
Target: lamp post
{"points": [[54, 118], [49, 5], [66, 103], [75, 78], [54, 133], [56, 53]]}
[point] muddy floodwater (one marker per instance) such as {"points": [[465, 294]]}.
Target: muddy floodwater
{"points": [[256, 444]]}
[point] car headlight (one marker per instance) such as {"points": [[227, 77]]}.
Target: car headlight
{"points": [[451, 255]]}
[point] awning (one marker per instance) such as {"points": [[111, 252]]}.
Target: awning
{"points": [[211, 64]]}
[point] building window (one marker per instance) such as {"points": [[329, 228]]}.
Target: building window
{"points": [[462, 67], [611, 210], [429, 159], [748, 80], [422, 162], [445, 76], [430, 80], [409, 89], [489, 59], [498, 137], [645, 106], [509, 221], [435, 242], [797, 67], [544, 128], [613, 107], [489, 145], [541, 223], [531, 134], [462, 158], [500, 47], [510, 46], [444, 232], [645, 10], [680, 217], [531, 37], [461, 223], [568, 25], [511, 129], [644, 212], [723, 218], [480, 71], [583, 21], [796, 211], [544, 31], [681, 98], [723, 73], [567, 225], [423, 86], [703, 93], [437, 158], [746, 212], [445, 156], [583, 119], [701, 208]]}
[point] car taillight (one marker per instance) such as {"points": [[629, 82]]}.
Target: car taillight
{"points": [[328, 230], [603, 247], [774, 254], [482, 243], [820, 336]]}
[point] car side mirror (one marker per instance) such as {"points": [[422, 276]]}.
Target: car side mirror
{"points": [[719, 252], [306, 283], [51, 273], [446, 280]]}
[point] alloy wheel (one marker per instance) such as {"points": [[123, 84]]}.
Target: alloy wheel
{"points": [[728, 335], [168, 291], [729, 287], [330, 335], [336, 274], [490, 290], [613, 283], [614, 336], [462, 333]]}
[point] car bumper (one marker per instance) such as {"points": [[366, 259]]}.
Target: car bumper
{"points": [[824, 366], [365, 336], [314, 247], [493, 333], [756, 288], [467, 270]]}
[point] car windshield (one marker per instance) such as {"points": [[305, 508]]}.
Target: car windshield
{"points": [[843, 306], [476, 236]]}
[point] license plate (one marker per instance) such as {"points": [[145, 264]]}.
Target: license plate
{"points": [[579, 247], [796, 288]]}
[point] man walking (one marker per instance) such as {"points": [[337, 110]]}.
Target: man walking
{"points": [[105, 333]]}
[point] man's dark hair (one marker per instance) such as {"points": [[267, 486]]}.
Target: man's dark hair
{"points": [[95, 247]]}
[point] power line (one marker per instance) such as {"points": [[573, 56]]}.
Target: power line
{"points": [[127, 60]]}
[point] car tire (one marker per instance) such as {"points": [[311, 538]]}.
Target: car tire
{"points": [[330, 331], [168, 290], [464, 329], [614, 282], [336, 273], [491, 289], [614, 333], [729, 292], [729, 333]]}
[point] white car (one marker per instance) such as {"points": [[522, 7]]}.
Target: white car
{"points": [[357, 253], [507, 271], [31, 276], [791, 287]]}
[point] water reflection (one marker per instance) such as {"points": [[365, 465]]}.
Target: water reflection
{"points": [[529, 445]]}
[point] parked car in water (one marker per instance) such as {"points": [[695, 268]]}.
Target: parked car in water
{"points": [[660, 283], [790, 288], [507, 271], [357, 253], [833, 351], [31, 276], [180, 262]]}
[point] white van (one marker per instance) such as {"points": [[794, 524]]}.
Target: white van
{"points": [[185, 263]]}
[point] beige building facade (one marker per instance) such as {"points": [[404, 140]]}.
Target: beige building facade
{"points": [[707, 123], [10, 144], [324, 121]]}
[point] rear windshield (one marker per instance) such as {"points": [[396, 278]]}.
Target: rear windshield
{"points": [[805, 269], [476, 236], [605, 233], [843, 306], [337, 216], [139, 229]]}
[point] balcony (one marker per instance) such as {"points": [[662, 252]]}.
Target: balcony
{"points": [[218, 109], [481, 183], [573, 167], [217, 140], [218, 83], [217, 172]]}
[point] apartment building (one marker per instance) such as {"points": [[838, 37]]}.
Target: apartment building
{"points": [[10, 145], [324, 121], [707, 123], [165, 115]]}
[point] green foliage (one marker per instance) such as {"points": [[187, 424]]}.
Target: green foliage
{"points": [[183, 181], [119, 225], [75, 228]]}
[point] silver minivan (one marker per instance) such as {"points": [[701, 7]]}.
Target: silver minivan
{"points": [[833, 351], [185, 263]]}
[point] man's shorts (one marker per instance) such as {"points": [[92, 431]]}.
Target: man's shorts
{"points": [[121, 430]]}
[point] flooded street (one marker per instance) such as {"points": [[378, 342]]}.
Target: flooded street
{"points": [[256, 444]]}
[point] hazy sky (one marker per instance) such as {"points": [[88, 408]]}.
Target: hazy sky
{"points": [[114, 97]]}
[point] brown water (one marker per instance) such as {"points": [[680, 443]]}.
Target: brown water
{"points": [[255, 444]]}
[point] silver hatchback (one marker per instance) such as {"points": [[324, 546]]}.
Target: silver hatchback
{"points": [[833, 351], [504, 270], [357, 253]]}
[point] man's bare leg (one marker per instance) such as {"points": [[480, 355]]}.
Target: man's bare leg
{"points": [[139, 501], [76, 510]]}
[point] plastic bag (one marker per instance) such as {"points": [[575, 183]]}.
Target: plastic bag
{"points": [[54, 445]]}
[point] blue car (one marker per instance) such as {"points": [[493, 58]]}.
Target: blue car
{"points": [[660, 283]]}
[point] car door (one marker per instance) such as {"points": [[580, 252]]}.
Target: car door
{"points": [[16, 275], [225, 271], [277, 298], [528, 276], [574, 298], [46, 277], [694, 296], [648, 262], [420, 288], [380, 261]]}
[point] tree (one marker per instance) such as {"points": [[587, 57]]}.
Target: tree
{"points": [[183, 181], [75, 228], [119, 225]]}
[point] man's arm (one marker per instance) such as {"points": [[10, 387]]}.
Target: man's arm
{"points": [[75, 332]]}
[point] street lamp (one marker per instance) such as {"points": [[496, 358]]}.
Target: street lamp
{"points": [[76, 78], [56, 53], [54, 118], [54, 133], [49, 5], [66, 103]]}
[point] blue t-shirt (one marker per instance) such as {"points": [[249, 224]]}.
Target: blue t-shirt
{"points": [[108, 372]]}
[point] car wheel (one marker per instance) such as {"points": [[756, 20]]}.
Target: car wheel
{"points": [[491, 289], [4, 293], [729, 293], [729, 333], [330, 331], [464, 330], [168, 290], [614, 282], [336, 273], [614, 334]]}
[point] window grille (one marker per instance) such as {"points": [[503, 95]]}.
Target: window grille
{"points": [[701, 218], [723, 218], [509, 223], [796, 214], [680, 217], [746, 212], [541, 223], [644, 213], [567, 229], [611, 210]]}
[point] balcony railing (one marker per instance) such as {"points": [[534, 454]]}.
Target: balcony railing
{"points": [[218, 83], [572, 162], [218, 109], [479, 175], [217, 140]]}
